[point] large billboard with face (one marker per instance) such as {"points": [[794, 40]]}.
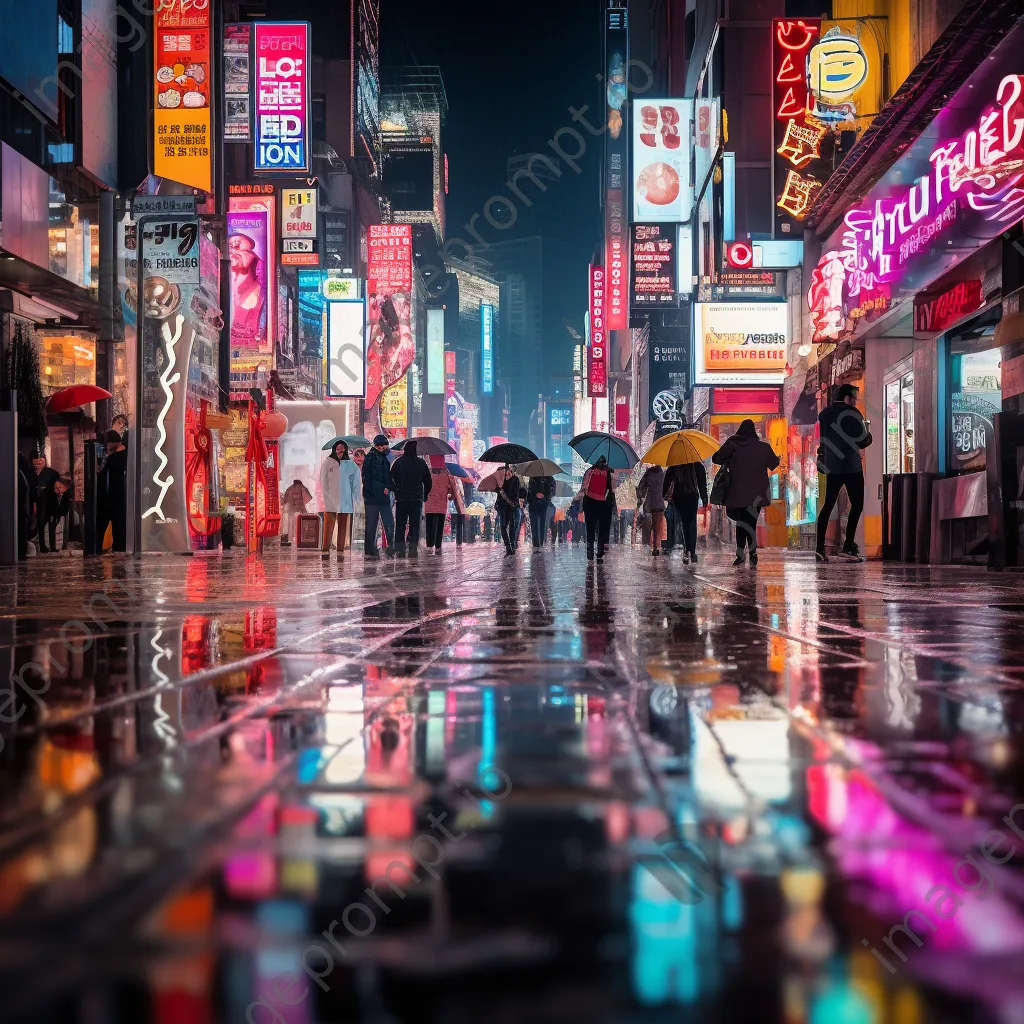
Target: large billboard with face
{"points": [[740, 343], [281, 50], [662, 191]]}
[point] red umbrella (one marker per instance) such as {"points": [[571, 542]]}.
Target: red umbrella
{"points": [[75, 396]]}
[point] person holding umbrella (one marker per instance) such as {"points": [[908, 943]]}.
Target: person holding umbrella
{"points": [[443, 488], [686, 485], [413, 483], [598, 505], [538, 499], [339, 485], [507, 508], [650, 495], [377, 489]]}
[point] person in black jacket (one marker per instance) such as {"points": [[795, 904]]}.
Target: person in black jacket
{"points": [[412, 482], [377, 491], [112, 503], [538, 497], [58, 507], [843, 435], [506, 506], [686, 487]]}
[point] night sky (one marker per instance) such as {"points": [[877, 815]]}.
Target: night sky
{"points": [[511, 72]]}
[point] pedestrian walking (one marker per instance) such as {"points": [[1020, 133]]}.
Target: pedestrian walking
{"points": [[339, 485], [650, 494], [444, 488], [538, 499], [112, 500], [506, 506], [747, 460], [686, 487], [844, 435], [45, 481], [294, 503], [378, 489], [413, 483], [598, 506]]}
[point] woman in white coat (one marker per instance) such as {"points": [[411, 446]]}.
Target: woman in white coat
{"points": [[339, 485]]}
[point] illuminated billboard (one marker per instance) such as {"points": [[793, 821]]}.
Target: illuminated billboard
{"points": [[654, 265], [597, 371], [435, 351], [389, 258], [181, 94], [238, 82], [616, 218], [662, 191], [281, 51], [346, 367], [486, 348], [298, 213], [740, 342]]}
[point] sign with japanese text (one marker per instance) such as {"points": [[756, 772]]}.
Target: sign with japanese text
{"points": [[597, 376], [238, 82], [740, 342], [182, 149], [389, 258], [298, 213], [281, 51], [616, 220], [654, 265]]}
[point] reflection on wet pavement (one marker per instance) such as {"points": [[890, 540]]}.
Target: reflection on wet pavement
{"points": [[457, 790]]}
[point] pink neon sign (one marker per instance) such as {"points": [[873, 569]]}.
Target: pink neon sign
{"points": [[972, 184]]}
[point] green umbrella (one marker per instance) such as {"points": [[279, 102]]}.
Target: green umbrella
{"points": [[352, 440]]}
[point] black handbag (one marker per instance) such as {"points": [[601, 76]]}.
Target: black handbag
{"points": [[720, 488]]}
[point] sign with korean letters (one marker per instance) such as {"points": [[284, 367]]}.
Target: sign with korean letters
{"points": [[298, 213]]}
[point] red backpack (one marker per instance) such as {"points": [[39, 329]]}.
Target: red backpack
{"points": [[598, 486]]}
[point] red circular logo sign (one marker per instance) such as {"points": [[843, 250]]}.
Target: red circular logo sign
{"points": [[739, 254]]}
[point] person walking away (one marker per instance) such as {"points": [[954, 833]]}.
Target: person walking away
{"points": [[113, 497], [650, 495], [688, 485], [330, 490], [377, 490], [750, 460], [507, 508], [294, 503], [359, 516], [443, 487], [45, 479], [598, 506], [844, 435], [412, 487], [539, 492], [458, 510]]}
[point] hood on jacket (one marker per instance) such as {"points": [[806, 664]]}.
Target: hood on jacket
{"points": [[411, 448]]}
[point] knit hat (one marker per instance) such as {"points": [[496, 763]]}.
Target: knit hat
{"points": [[381, 441]]}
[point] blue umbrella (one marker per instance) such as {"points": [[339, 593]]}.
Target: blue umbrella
{"points": [[593, 444], [456, 470]]}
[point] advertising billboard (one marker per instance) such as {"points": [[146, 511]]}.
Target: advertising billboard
{"points": [[669, 377], [366, 127], [281, 51], [394, 408], [654, 265], [616, 220], [298, 213], [346, 354], [740, 342], [238, 82], [435, 351], [662, 191], [389, 258], [252, 270], [390, 346], [182, 88], [597, 370], [486, 348], [560, 432]]}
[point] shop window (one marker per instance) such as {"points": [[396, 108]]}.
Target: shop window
{"points": [[802, 479], [899, 425], [65, 360], [976, 395]]}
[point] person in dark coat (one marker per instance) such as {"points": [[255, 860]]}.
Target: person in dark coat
{"points": [[58, 507], [112, 500], [686, 487], [506, 506], [598, 506], [844, 434], [750, 460], [44, 481], [538, 498], [650, 496], [377, 490], [412, 482]]}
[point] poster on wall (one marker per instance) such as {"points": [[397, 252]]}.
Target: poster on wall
{"points": [[281, 51], [654, 266], [182, 88], [310, 426], [616, 217], [742, 343], [669, 377], [346, 368], [391, 346], [237, 82], [298, 212], [662, 191], [394, 408]]}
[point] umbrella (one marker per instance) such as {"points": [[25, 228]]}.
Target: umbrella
{"points": [[476, 509], [329, 447], [507, 453], [593, 444], [538, 467], [357, 441], [75, 396], [681, 447], [456, 470], [427, 446], [489, 482]]}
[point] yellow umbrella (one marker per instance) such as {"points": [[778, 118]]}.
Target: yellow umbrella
{"points": [[680, 447]]}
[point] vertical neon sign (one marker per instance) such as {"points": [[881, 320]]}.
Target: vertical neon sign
{"points": [[598, 371], [282, 97]]}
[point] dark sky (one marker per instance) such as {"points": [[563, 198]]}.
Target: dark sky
{"points": [[511, 72]]}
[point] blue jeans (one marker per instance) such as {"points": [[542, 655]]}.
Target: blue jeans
{"points": [[370, 536], [538, 523]]}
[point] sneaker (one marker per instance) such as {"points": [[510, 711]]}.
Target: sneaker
{"points": [[693, 558], [655, 552], [738, 560], [851, 551], [820, 556], [753, 558], [686, 558]]}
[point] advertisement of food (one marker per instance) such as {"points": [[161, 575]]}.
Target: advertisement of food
{"points": [[662, 191]]}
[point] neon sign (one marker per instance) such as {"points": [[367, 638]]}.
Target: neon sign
{"points": [[282, 97], [598, 376]]}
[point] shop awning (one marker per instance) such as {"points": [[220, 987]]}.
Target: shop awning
{"points": [[977, 29], [45, 296]]}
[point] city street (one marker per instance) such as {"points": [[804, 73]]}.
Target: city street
{"points": [[474, 788]]}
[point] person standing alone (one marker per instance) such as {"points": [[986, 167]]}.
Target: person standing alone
{"points": [[113, 495], [412, 486], [844, 435]]}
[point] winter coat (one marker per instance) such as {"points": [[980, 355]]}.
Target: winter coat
{"points": [[443, 487], [685, 482], [351, 486], [377, 478], [296, 498], [749, 460], [543, 485], [652, 489], [330, 484], [508, 493], [843, 434], [411, 477]]}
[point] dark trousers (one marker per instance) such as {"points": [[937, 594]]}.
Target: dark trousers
{"points": [[598, 515], [458, 527], [834, 483], [686, 515], [507, 523], [538, 523], [373, 513], [435, 529], [746, 526], [118, 528], [407, 514]]}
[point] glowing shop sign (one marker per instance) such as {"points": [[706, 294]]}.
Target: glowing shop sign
{"points": [[487, 348], [598, 376], [282, 96]]}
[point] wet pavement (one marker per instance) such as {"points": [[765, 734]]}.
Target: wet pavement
{"points": [[466, 789]]}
